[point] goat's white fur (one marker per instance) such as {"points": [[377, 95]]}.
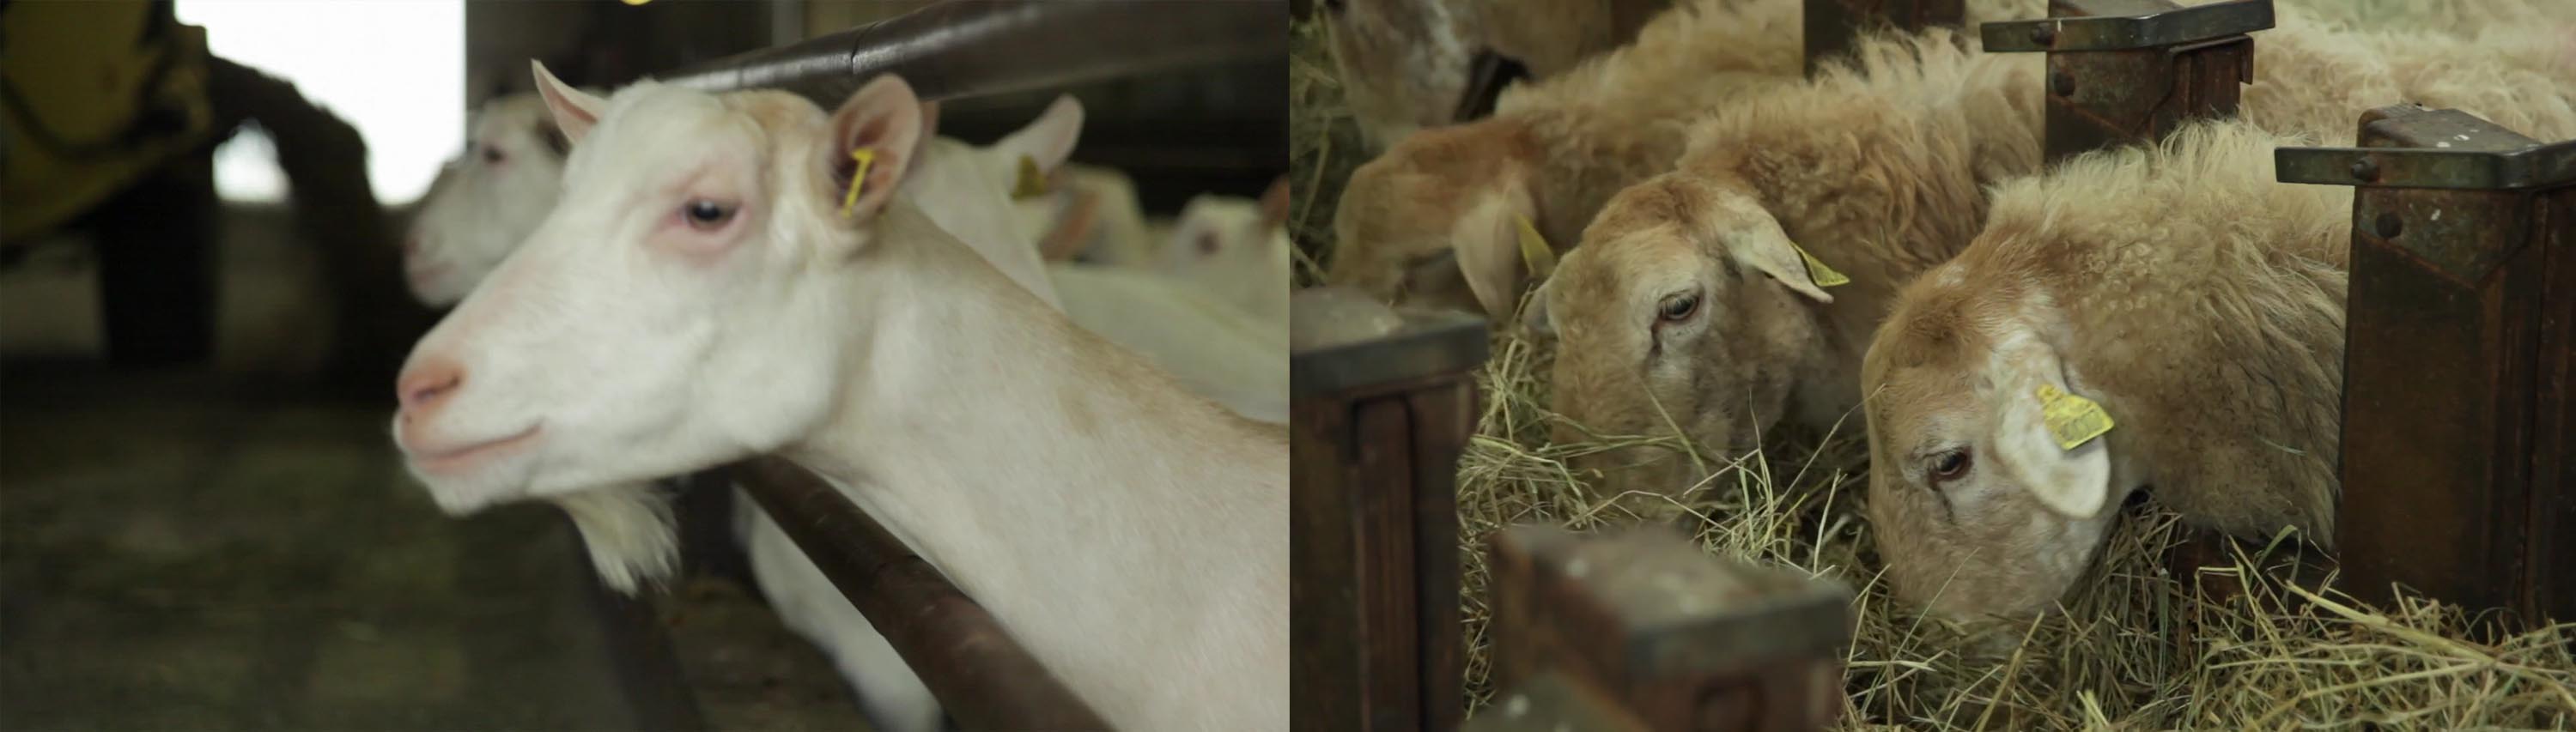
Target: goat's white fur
{"points": [[826, 340]]}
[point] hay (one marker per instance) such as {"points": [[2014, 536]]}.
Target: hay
{"points": [[1323, 145], [2137, 649]]}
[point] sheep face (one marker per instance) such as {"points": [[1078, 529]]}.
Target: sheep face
{"points": [[1403, 63], [1409, 222], [672, 312], [485, 201], [1677, 313], [1978, 507]]}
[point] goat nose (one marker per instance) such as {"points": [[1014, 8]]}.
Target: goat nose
{"points": [[424, 386]]}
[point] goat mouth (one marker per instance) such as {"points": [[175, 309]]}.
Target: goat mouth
{"points": [[449, 460]]}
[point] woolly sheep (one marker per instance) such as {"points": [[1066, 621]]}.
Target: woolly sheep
{"points": [[865, 342], [2195, 301], [1689, 304]]}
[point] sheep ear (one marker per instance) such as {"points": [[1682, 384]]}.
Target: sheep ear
{"points": [[2049, 440], [1534, 319], [1760, 244], [575, 111], [1048, 140], [874, 134], [1488, 243]]}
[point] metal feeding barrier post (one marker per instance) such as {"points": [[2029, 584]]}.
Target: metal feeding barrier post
{"points": [[955, 49], [2459, 433], [2128, 71]]}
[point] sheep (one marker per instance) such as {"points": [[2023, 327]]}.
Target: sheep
{"points": [[1129, 534], [1552, 152], [2316, 76], [1555, 151], [1404, 64], [1689, 303], [1787, 357], [2176, 296]]}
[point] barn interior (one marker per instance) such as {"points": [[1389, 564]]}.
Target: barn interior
{"points": [[204, 523]]}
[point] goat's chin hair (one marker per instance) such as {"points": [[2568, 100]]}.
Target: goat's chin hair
{"points": [[629, 531]]}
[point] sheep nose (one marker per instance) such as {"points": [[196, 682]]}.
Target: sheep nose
{"points": [[424, 386]]}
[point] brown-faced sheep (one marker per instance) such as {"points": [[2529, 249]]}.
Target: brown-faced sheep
{"points": [[1555, 151], [2178, 290], [2314, 76], [1690, 302]]}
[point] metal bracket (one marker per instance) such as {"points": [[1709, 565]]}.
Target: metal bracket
{"points": [[2459, 436], [2120, 25], [2129, 71]]}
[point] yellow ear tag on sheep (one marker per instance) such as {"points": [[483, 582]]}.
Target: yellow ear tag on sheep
{"points": [[1032, 182], [1536, 256], [2072, 419], [1816, 270], [866, 156]]}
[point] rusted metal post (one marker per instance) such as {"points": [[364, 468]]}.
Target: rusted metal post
{"points": [[981, 676], [1641, 630], [1376, 428], [1832, 24], [2129, 71], [2457, 432], [965, 48]]}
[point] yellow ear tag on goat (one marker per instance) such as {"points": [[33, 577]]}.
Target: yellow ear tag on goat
{"points": [[866, 156], [2072, 419], [1816, 270], [1536, 255], [1032, 182]]}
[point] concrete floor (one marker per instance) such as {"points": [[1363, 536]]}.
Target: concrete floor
{"points": [[215, 549]]}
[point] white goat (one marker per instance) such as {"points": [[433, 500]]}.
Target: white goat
{"points": [[695, 303]]}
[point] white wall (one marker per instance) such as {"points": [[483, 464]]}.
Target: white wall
{"points": [[393, 68]]}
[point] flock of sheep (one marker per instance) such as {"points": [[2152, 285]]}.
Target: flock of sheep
{"points": [[660, 280], [1730, 246]]}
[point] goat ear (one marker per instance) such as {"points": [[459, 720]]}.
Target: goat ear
{"points": [[575, 111], [1488, 243], [2047, 439], [1274, 205], [929, 130], [874, 134], [1048, 140], [1757, 242]]}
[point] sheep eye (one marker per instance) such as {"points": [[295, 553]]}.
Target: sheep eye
{"points": [[492, 155], [1950, 465], [706, 215], [1678, 308]]}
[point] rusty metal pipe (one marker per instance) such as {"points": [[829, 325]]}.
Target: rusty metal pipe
{"points": [[966, 48], [979, 673]]}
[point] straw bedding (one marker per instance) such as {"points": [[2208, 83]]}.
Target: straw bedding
{"points": [[2140, 647]]}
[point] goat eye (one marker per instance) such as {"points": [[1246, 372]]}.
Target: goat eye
{"points": [[1950, 465], [1678, 308], [492, 155], [706, 215]]}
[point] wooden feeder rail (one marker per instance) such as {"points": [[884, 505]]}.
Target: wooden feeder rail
{"points": [[2130, 71], [1643, 630], [982, 677], [2457, 434], [1376, 428]]}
